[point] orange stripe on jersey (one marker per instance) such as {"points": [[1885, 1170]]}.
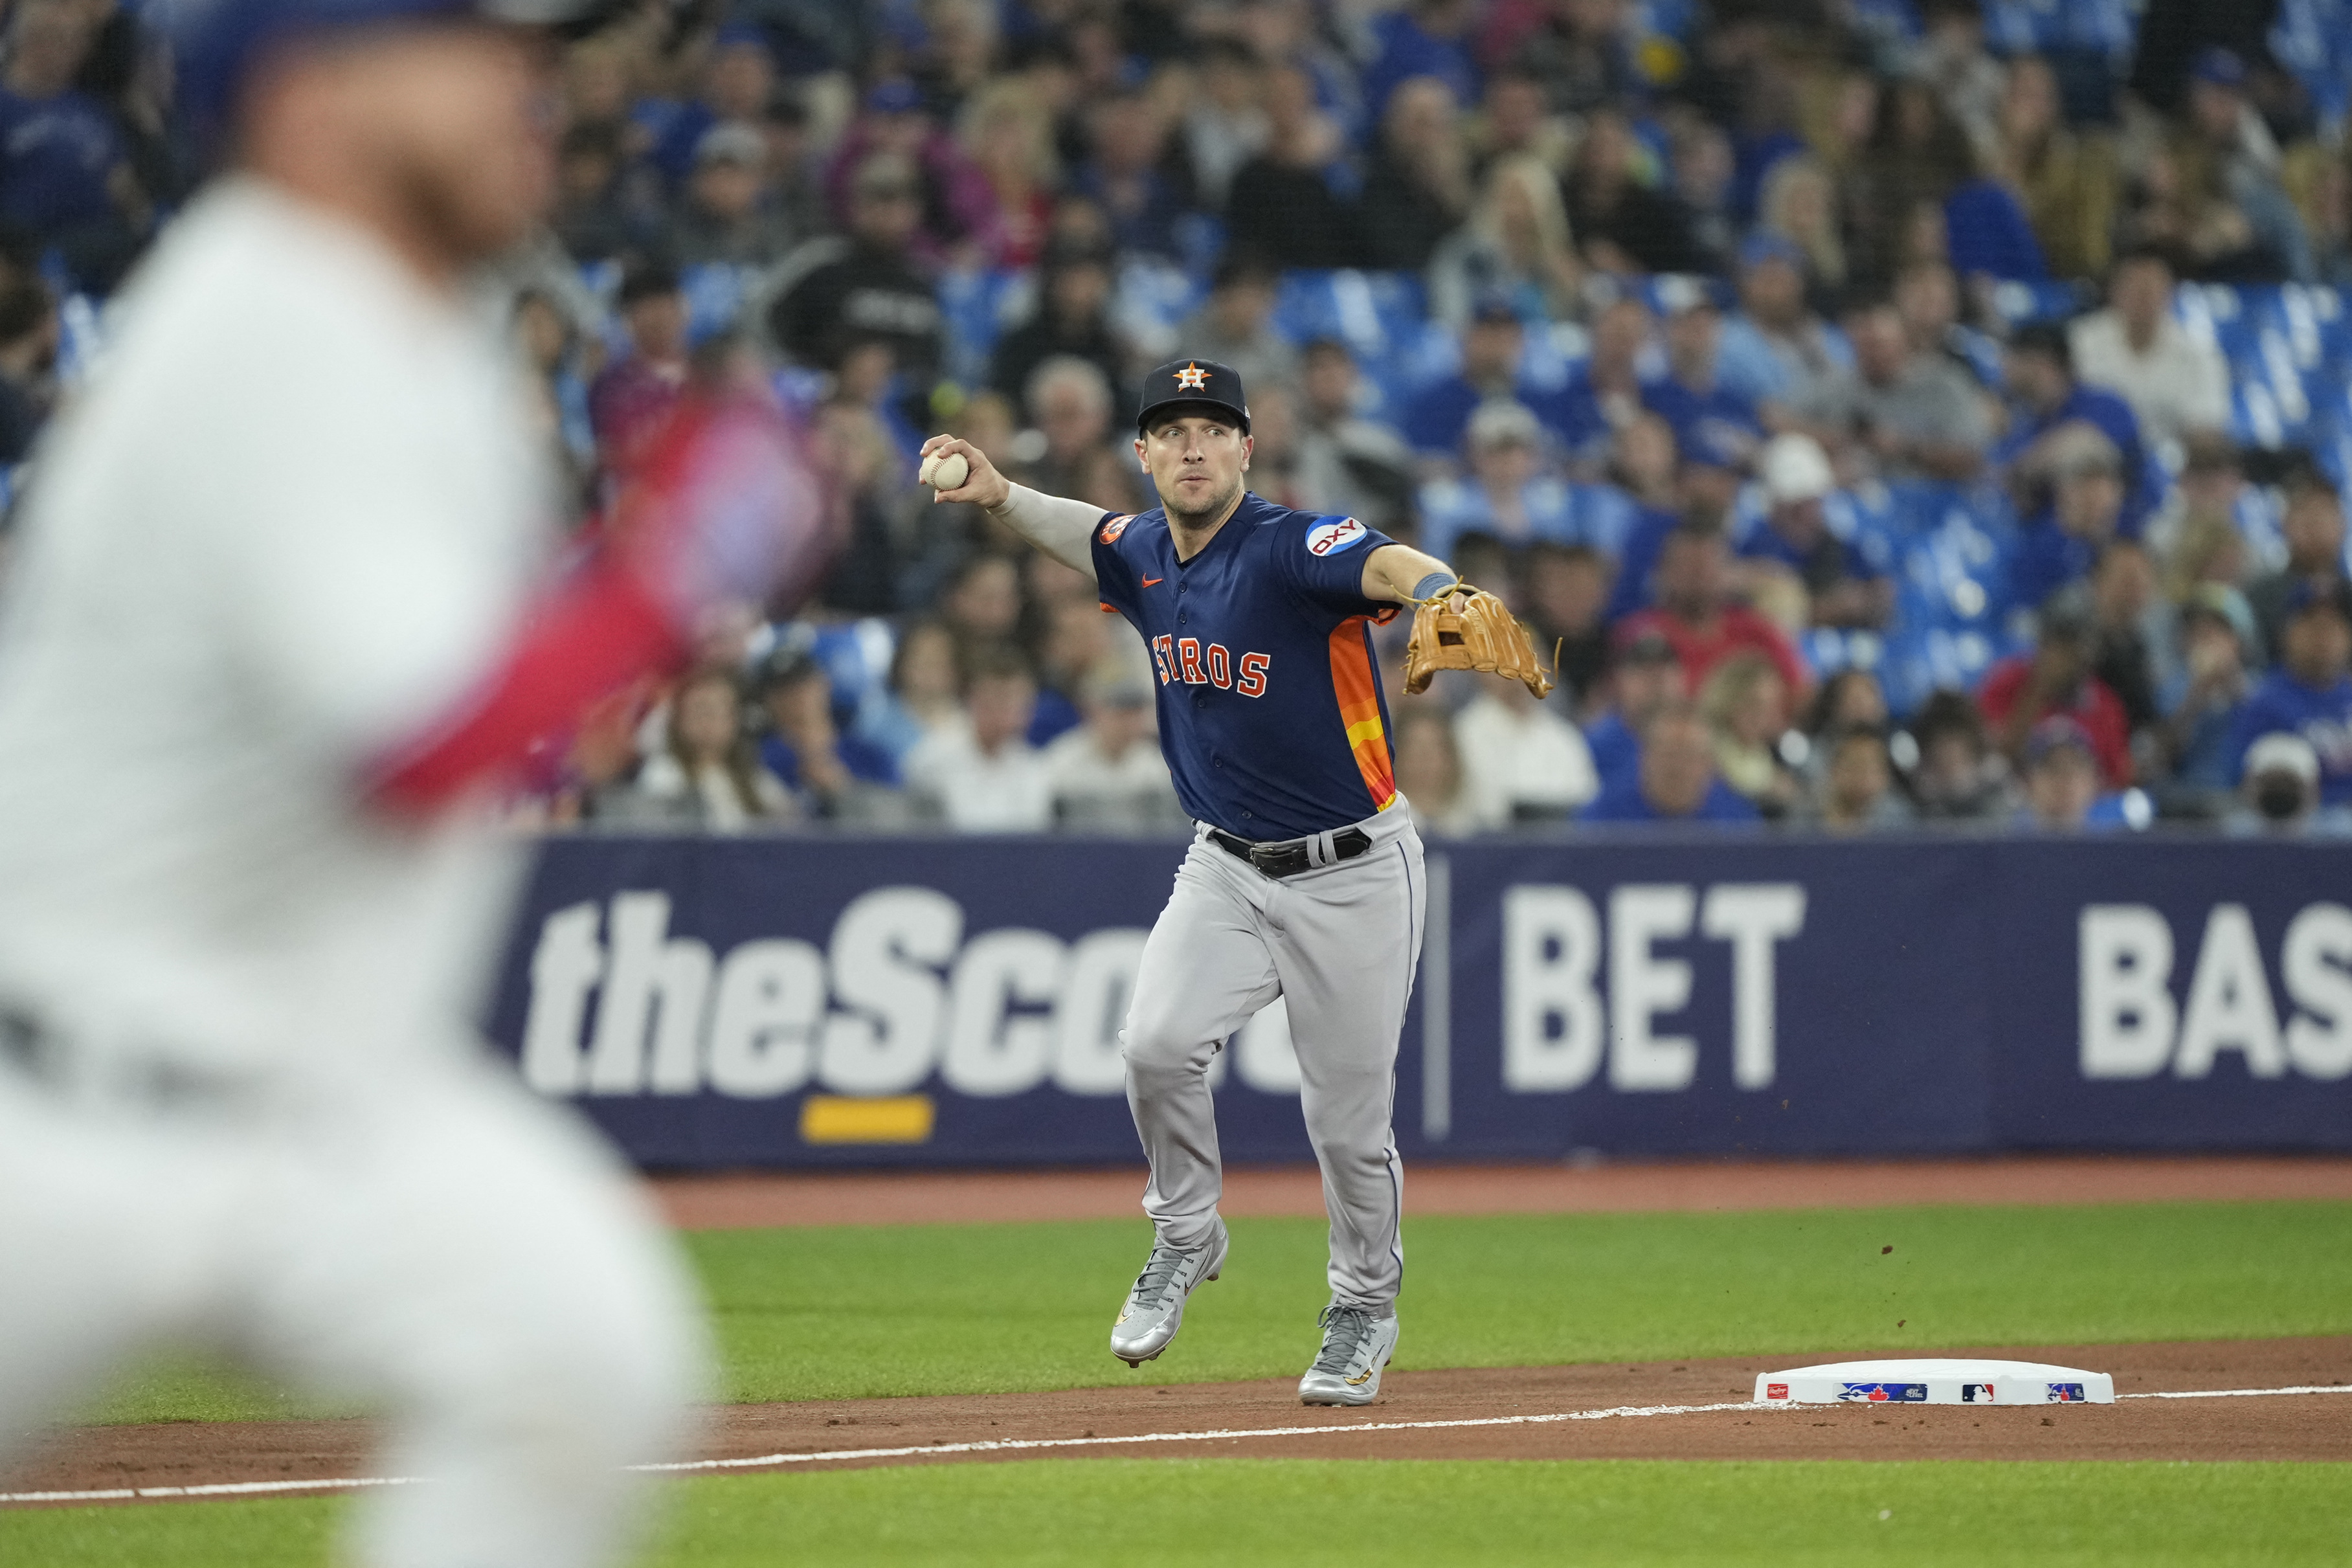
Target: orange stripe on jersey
{"points": [[1356, 683]]}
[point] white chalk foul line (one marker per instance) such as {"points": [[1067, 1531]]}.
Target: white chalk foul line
{"points": [[1016, 1445], [1031, 1444]]}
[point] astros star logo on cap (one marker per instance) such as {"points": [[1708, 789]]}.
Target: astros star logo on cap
{"points": [[1191, 378]]}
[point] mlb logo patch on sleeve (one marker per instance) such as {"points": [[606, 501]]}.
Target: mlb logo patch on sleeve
{"points": [[1330, 538]]}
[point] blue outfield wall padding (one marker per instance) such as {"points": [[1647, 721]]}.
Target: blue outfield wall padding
{"points": [[1633, 994]]}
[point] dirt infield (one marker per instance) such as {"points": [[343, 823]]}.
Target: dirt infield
{"points": [[961, 1197], [2309, 1427], [1265, 1417]]}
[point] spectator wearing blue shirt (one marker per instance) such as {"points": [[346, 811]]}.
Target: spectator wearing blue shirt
{"points": [[1124, 178], [1706, 483], [737, 85], [1809, 529], [1424, 37], [2040, 371], [2310, 692], [1436, 420], [1604, 394], [2077, 508], [807, 751], [1776, 350], [2062, 778], [2200, 702], [1675, 781], [1646, 678], [1509, 495], [1690, 396], [1990, 235], [63, 173]]}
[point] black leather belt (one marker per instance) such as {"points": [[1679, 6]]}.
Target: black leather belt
{"points": [[1290, 856]]}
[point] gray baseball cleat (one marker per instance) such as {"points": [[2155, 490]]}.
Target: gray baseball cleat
{"points": [[1356, 1346], [1155, 1308]]}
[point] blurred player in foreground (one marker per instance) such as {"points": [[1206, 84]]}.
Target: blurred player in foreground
{"points": [[287, 608], [1305, 877]]}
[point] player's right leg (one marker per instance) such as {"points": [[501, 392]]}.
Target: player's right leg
{"points": [[474, 1264], [1206, 970]]}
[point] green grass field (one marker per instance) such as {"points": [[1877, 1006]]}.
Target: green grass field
{"points": [[848, 1312], [1365, 1514]]}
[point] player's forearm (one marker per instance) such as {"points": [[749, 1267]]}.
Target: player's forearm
{"points": [[1060, 527], [1394, 573]]}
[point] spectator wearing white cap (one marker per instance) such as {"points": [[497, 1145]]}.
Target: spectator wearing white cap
{"points": [[1808, 529], [1511, 494], [2280, 792], [2309, 693]]}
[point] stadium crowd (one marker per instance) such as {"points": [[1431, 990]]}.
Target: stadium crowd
{"points": [[1884, 411]]}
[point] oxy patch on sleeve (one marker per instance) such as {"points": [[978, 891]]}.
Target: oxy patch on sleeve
{"points": [[1330, 538]]}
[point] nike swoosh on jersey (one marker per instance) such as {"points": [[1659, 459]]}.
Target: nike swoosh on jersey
{"points": [[1153, 581]]}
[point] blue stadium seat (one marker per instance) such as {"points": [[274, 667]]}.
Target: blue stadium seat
{"points": [[2052, 300], [976, 307]]}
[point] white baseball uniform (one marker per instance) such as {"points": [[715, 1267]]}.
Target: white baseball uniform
{"points": [[296, 515]]}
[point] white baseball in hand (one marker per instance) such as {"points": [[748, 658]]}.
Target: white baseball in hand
{"points": [[945, 470]]}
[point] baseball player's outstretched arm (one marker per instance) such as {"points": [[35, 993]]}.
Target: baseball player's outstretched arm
{"points": [[1059, 527], [1400, 574]]}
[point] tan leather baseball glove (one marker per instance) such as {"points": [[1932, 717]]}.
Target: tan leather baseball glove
{"points": [[1482, 636]]}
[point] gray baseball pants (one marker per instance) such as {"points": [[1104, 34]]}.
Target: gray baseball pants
{"points": [[1341, 943]]}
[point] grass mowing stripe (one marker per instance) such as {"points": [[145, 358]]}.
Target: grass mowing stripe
{"points": [[1006, 1307], [859, 1311], [1368, 1514]]}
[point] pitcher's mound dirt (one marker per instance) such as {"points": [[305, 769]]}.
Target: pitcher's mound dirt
{"points": [[2293, 1426]]}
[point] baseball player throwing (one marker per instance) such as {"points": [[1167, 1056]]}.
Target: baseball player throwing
{"points": [[1304, 879], [286, 602]]}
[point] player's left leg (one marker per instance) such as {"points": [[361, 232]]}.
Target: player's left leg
{"points": [[1350, 942], [473, 1261], [111, 1236]]}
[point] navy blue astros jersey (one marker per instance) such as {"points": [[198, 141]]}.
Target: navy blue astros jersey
{"points": [[1270, 713]]}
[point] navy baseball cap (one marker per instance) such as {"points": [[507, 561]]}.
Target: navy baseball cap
{"points": [[1495, 306], [1202, 382], [2218, 66], [1765, 246], [215, 44], [2319, 593], [2054, 734]]}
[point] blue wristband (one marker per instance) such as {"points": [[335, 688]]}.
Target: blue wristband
{"points": [[1431, 585]]}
